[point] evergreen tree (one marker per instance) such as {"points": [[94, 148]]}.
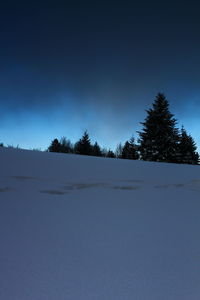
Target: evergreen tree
{"points": [[66, 145], [83, 146], [55, 146], [159, 138], [96, 150], [187, 149], [110, 154], [129, 150]]}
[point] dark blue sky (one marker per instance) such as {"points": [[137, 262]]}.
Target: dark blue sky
{"points": [[67, 66]]}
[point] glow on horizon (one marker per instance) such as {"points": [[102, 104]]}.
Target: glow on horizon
{"points": [[33, 130]]}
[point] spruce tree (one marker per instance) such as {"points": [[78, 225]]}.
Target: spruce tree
{"points": [[66, 145], [83, 146], [129, 150], [55, 146], [96, 150], [187, 149], [110, 154], [159, 138]]}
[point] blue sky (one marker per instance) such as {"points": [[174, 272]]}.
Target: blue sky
{"points": [[67, 67]]}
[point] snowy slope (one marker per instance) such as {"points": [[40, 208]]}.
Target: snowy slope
{"points": [[86, 228]]}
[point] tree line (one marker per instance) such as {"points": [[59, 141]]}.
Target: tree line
{"points": [[85, 147], [159, 140]]}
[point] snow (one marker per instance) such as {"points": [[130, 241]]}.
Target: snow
{"points": [[77, 227]]}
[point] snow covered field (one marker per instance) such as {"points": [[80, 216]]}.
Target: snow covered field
{"points": [[85, 228]]}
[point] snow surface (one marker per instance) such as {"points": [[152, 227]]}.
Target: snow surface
{"points": [[77, 227]]}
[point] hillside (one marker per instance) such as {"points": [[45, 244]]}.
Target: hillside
{"points": [[86, 228]]}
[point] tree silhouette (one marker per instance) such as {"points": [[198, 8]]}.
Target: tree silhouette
{"points": [[187, 149], [83, 146], [66, 145], [96, 150], [110, 154], [55, 146], [129, 150], [159, 138]]}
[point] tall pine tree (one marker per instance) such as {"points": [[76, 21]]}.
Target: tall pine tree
{"points": [[159, 138]]}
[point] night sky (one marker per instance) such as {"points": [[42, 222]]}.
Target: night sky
{"points": [[67, 66]]}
